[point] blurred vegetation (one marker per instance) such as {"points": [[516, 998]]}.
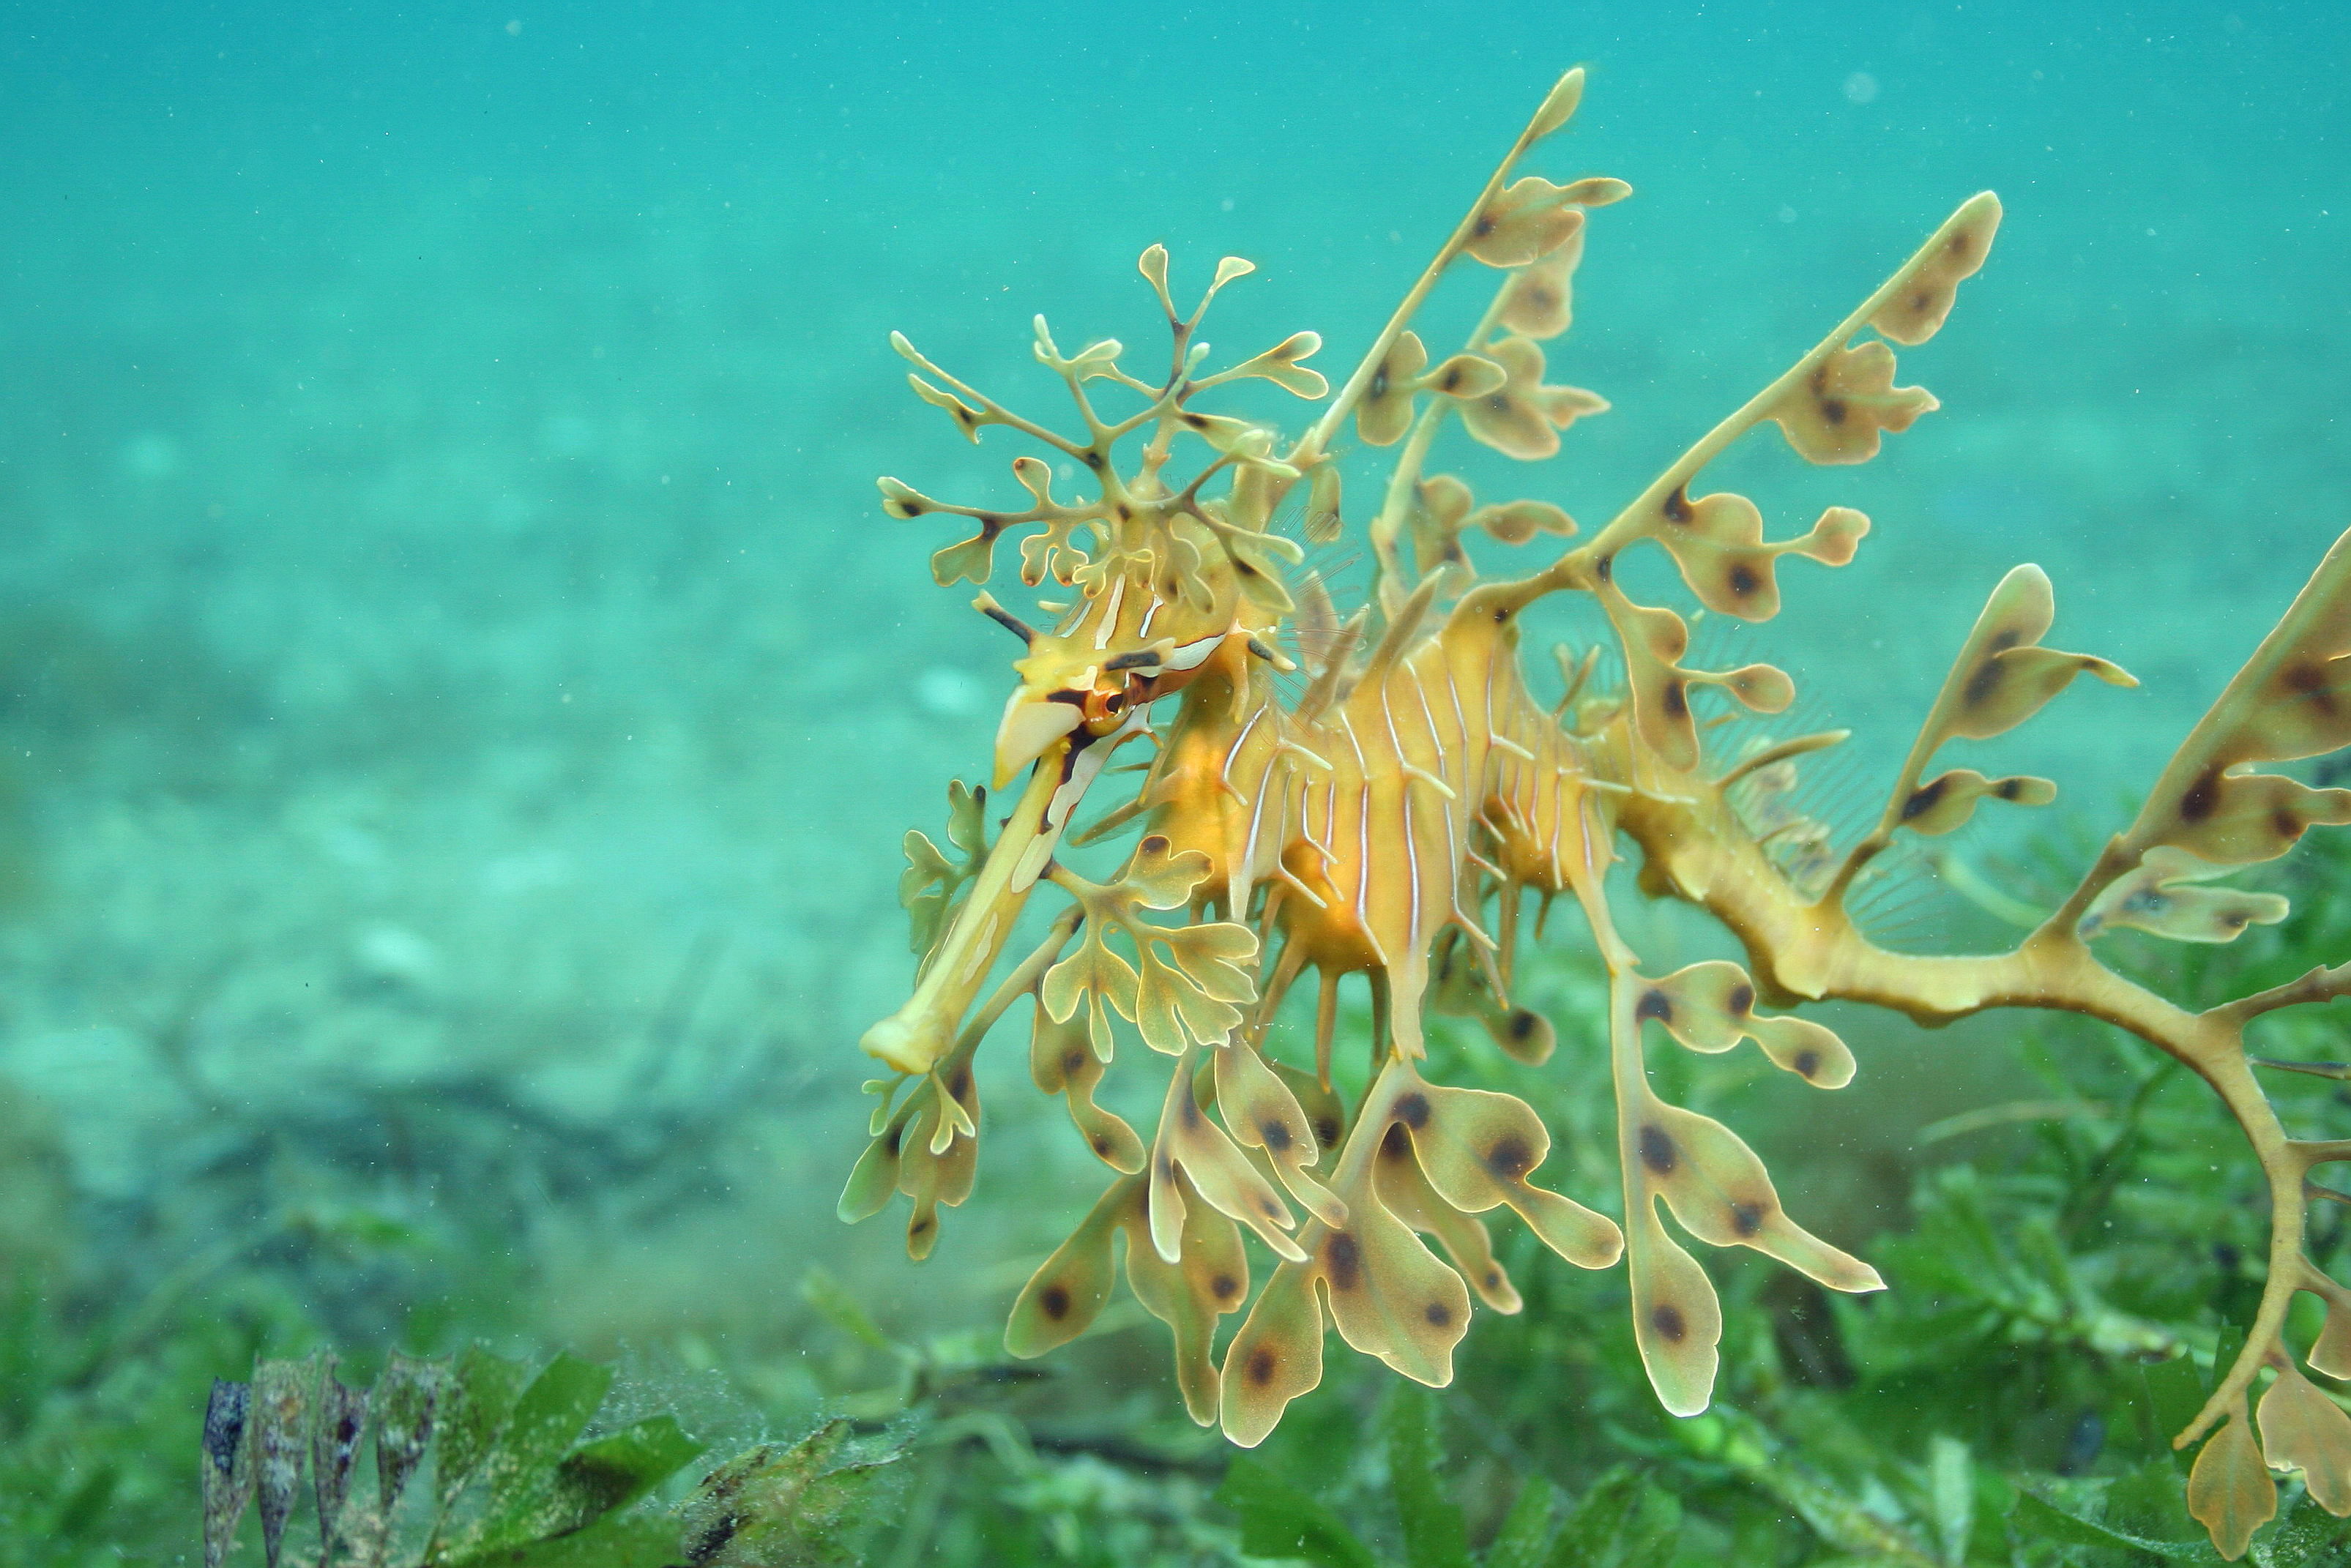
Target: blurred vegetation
{"points": [[2066, 1262]]}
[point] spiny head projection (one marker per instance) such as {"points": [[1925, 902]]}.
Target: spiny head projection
{"points": [[1382, 804]]}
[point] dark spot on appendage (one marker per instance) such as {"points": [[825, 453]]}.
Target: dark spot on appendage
{"points": [[1189, 1109], [959, 1083], [1522, 1024], [891, 1137], [1493, 1278], [1920, 301], [1958, 245], [1604, 569], [2285, 824], [1379, 383], [1166, 1170], [1498, 402], [1072, 1062], [1833, 409], [1806, 1063], [1501, 612], [1156, 844], [1326, 1133], [1922, 799], [1742, 578], [2309, 681], [1260, 1366], [1438, 1313], [1102, 1145], [1667, 1318], [1654, 1004], [1982, 683], [1395, 1143], [1053, 1301], [920, 1227], [2202, 798], [1451, 381], [1676, 700], [1224, 1287], [1510, 1158], [1090, 458], [1412, 1109], [1678, 507], [1740, 999], [2009, 789], [1276, 1135], [1746, 1218], [1343, 1261], [1658, 1150]]}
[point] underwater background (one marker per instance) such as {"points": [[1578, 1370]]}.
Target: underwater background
{"points": [[459, 698]]}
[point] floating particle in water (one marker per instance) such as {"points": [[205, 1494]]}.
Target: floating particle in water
{"points": [[1860, 88]]}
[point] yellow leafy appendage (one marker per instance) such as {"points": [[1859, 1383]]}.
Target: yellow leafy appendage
{"points": [[1387, 814]]}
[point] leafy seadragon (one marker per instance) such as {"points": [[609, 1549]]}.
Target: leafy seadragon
{"points": [[1388, 813]]}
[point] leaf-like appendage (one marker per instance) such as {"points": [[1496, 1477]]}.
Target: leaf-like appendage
{"points": [[1523, 418], [1384, 413], [1322, 519], [1676, 1317], [2159, 898], [1070, 1289], [1389, 1295], [2331, 1354], [2002, 675], [1097, 976], [1720, 1194], [2304, 1429], [1405, 1188], [1279, 365], [1809, 1051], [1710, 1008], [1437, 522], [1558, 105], [2283, 704], [1263, 1113], [1920, 297], [1193, 977], [1276, 1357], [1717, 542], [1539, 299], [1190, 1143], [1189, 1296], [1478, 1148], [1161, 877], [1654, 640], [1836, 413], [1946, 801], [2230, 1492], [1529, 219], [1062, 1060], [1516, 522]]}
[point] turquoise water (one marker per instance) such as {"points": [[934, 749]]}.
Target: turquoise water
{"points": [[462, 698]]}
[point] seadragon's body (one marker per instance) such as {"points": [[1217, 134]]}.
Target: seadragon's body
{"points": [[1388, 811]]}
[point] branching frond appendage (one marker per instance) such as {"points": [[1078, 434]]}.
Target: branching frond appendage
{"points": [[1387, 814]]}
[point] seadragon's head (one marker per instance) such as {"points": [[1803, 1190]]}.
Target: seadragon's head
{"points": [[1173, 571]]}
